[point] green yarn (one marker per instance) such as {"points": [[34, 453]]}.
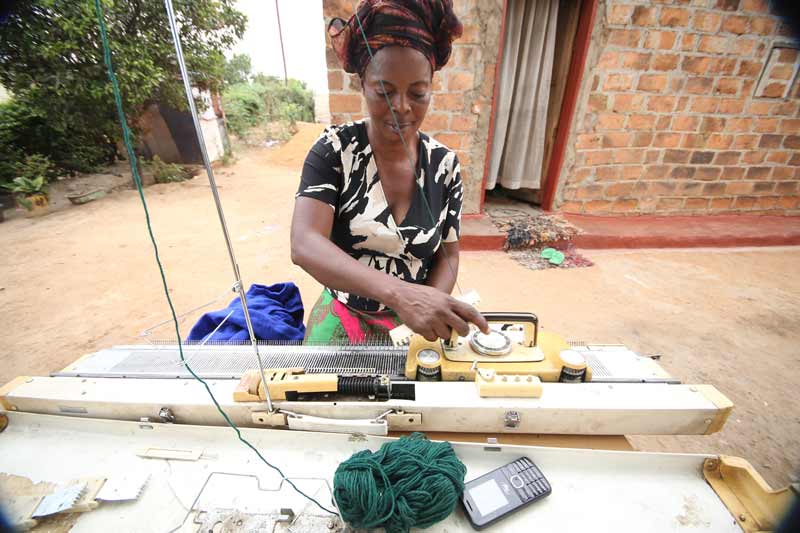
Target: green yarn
{"points": [[410, 482]]}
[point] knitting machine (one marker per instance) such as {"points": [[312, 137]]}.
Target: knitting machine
{"points": [[515, 379]]}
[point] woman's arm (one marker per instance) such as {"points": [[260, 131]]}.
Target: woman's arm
{"points": [[426, 310], [444, 271]]}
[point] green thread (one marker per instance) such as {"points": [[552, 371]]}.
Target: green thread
{"points": [[410, 482], [126, 137]]}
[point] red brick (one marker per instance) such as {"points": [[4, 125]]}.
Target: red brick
{"points": [[755, 6], [789, 202], [727, 158], [739, 187], [701, 158], [707, 173], [471, 34], [763, 187], [781, 72], [706, 21], [713, 45], [436, 122], [743, 46], [699, 85], [616, 140], [762, 25], [732, 173], [757, 173], [662, 188], [624, 206], [611, 173], [628, 102], [345, 103], [335, 80], [675, 17], [765, 125], [629, 155], [749, 68], [669, 204], [460, 81], [716, 188], [683, 173], [696, 204], [620, 14], [662, 40], [589, 191], [464, 122], [790, 125], [786, 108], [727, 5], [632, 172], [785, 187], [721, 204], [689, 188], [735, 24], [694, 140], [688, 42], [644, 16], [665, 62], [661, 104], [618, 82], [724, 66], [597, 206], [641, 122], [676, 156], [739, 124], [792, 142], [656, 172], [454, 141], [710, 124], [598, 157], [571, 207], [770, 141], [610, 121], [667, 140], [719, 141], [744, 142], [727, 86], [695, 64], [685, 123], [627, 38], [780, 157], [732, 106], [619, 189], [663, 123], [745, 202], [448, 102], [609, 60], [652, 82], [635, 60], [641, 139]]}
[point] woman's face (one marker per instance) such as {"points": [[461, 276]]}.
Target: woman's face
{"points": [[406, 76]]}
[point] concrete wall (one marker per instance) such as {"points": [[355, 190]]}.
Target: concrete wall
{"points": [[672, 117], [462, 100]]}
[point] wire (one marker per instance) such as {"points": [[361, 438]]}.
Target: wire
{"points": [[126, 136], [410, 158]]}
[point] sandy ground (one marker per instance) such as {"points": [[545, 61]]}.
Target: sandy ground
{"points": [[84, 278]]}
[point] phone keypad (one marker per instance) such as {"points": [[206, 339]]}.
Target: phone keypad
{"points": [[527, 479]]}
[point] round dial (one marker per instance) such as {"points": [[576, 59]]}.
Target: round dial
{"points": [[428, 356]]}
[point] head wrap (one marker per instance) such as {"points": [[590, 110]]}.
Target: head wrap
{"points": [[429, 26]]}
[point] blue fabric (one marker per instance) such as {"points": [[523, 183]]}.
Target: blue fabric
{"points": [[275, 310]]}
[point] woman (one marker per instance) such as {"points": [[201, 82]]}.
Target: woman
{"points": [[377, 214]]}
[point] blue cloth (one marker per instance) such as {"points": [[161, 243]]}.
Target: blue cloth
{"points": [[275, 310]]}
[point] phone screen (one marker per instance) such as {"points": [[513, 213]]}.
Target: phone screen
{"points": [[488, 497]]}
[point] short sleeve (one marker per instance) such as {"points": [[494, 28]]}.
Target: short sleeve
{"points": [[454, 191], [322, 173]]}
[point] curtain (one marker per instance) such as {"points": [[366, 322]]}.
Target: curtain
{"points": [[524, 88]]}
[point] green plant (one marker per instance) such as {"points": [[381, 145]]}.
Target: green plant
{"points": [[51, 61], [237, 69], [167, 172], [27, 186], [266, 99]]}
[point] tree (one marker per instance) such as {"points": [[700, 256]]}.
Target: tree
{"points": [[237, 69], [51, 59]]}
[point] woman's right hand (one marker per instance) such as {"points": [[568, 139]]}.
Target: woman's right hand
{"points": [[432, 313]]}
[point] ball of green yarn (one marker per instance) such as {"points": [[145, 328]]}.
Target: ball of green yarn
{"points": [[410, 482]]}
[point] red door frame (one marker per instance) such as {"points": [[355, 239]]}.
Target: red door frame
{"points": [[580, 50]]}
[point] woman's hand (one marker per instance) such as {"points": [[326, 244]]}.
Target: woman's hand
{"points": [[432, 313]]}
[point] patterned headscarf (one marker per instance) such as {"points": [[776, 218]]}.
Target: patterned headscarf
{"points": [[429, 26]]}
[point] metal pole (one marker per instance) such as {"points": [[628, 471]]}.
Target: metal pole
{"points": [[239, 286], [280, 37]]}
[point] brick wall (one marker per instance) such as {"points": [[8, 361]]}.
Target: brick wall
{"points": [[672, 117], [462, 92]]}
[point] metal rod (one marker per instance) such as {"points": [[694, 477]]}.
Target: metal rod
{"points": [[239, 286], [280, 37]]}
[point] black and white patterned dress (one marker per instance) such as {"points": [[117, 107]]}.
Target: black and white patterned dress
{"points": [[340, 171]]}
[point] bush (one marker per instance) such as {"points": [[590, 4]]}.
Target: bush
{"points": [[267, 99], [167, 172]]}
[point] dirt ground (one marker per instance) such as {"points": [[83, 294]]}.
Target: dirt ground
{"points": [[84, 278]]}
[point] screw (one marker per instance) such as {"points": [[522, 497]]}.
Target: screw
{"points": [[331, 524], [742, 517]]}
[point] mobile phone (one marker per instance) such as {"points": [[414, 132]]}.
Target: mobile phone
{"points": [[497, 494]]}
